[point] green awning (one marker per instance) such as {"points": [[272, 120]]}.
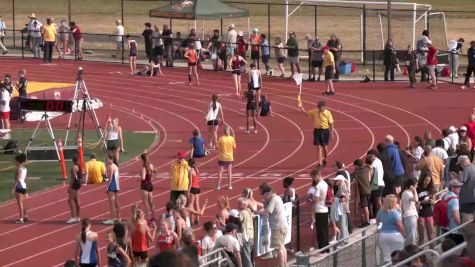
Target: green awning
{"points": [[198, 10]]}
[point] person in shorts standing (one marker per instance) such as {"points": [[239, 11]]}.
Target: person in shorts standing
{"points": [[5, 97], [317, 58], [180, 177], [226, 147], [255, 40], [113, 189], [73, 191], [330, 71], [214, 111], [362, 174], [118, 36], [147, 36], [265, 50], [323, 130], [231, 41], [192, 57], [279, 55], [64, 33], [292, 46], [470, 65], [412, 66], [432, 64], [335, 48], [275, 212], [19, 187]]}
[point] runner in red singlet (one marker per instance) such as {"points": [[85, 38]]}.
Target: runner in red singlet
{"points": [[165, 238], [194, 189], [192, 58], [141, 237], [146, 186], [236, 64]]}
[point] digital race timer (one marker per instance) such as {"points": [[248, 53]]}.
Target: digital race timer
{"points": [[49, 105]]}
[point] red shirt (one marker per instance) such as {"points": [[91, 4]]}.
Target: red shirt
{"points": [[471, 130], [432, 56], [195, 180], [241, 43], [256, 40], [139, 239], [165, 242], [77, 35]]}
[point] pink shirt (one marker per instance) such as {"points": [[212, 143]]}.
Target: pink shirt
{"points": [[432, 56]]}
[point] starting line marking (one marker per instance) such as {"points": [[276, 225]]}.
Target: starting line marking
{"points": [[171, 83], [145, 132]]}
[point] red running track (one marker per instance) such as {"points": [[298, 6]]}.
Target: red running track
{"points": [[363, 114]]}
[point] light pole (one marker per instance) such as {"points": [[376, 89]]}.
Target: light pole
{"points": [[389, 20]]}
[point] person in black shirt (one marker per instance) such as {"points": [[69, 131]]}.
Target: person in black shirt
{"points": [[168, 43], [250, 107], [265, 107], [22, 91], [426, 191], [7, 83], [471, 65], [147, 36]]}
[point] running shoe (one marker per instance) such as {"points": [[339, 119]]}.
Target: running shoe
{"points": [[78, 219], [20, 221], [255, 131], [230, 187], [108, 222], [324, 93], [72, 220], [218, 188]]}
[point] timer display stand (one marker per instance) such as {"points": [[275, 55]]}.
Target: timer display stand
{"points": [[44, 119], [82, 94]]}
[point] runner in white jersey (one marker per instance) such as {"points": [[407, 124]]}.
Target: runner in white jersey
{"points": [[19, 188], [87, 247], [115, 142]]}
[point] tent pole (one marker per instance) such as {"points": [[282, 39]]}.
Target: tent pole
{"points": [[286, 20], [315, 18], [203, 30], [364, 34], [122, 11], [268, 21], [221, 32], [13, 24], [248, 28]]}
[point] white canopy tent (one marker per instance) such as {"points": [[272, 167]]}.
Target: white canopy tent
{"points": [[375, 5]]}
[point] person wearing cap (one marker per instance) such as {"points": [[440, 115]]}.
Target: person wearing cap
{"points": [[247, 231], [255, 40], [275, 212], [453, 207], [467, 191], [180, 176], [265, 50], [34, 32], [95, 170], [454, 139], [335, 47], [241, 44], [315, 46], [330, 70], [48, 31], [470, 65], [322, 129], [2, 36], [226, 147], [465, 145], [433, 164], [231, 41], [292, 46], [432, 63], [230, 244]]}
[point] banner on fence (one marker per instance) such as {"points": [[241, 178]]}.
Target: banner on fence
{"points": [[262, 231]]}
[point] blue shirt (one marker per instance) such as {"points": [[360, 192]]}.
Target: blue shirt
{"points": [[198, 143], [388, 221], [452, 206], [265, 47], [396, 164]]}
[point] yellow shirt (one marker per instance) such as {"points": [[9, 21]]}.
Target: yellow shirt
{"points": [[433, 164], [180, 176], [226, 146], [49, 33], [95, 171], [321, 120], [328, 60]]}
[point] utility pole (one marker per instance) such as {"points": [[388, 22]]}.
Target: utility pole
{"points": [[389, 20], [69, 11]]}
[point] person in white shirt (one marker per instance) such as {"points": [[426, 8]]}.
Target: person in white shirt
{"points": [[2, 35], [231, 41], [214, 110], [440, 152], [409, 199], [34, 31], [376, 194], [453, 137], [119, 38], [209, 240], [230, 244], [320, 210], [5, 108]]}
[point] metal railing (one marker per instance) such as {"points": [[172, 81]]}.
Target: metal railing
{"points": [[450, 253], [438, 238], [429, 252], [216, 258]]}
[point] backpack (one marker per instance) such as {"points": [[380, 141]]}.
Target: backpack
{"points": [[11, 147], [440, 212], [330, 198]]}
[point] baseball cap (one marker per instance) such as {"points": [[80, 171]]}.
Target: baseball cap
{"points": [[332, 36], [461, 159], [240, 33], [182, 154], [463, 129], [231, 26], [339, 178], [255, 30], [452, 129], [234, 213], [455, 183]]}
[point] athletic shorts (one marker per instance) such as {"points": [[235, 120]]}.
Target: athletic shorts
{"points": [[317, 63], [237, 72], [265, 59], [140, 254], [212, 123], [191, 64], [329, 73], [255, 55], [87, 264], [147, 187], [280, 60], [321, 137], [112, 144], [377, 192], [364, 200], [277, 238], [431, 69], [293, 60], [195, 190], [5, 115], [251, 106], [20, 190], [224, 163], [429, 219]]}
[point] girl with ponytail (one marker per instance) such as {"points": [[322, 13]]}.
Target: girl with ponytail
{"points": [[87, 246], [142, 237], [146, 186], [214, 109]]}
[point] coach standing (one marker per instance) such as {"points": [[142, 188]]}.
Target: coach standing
{"points": [[49, 37], [323, 129]]}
